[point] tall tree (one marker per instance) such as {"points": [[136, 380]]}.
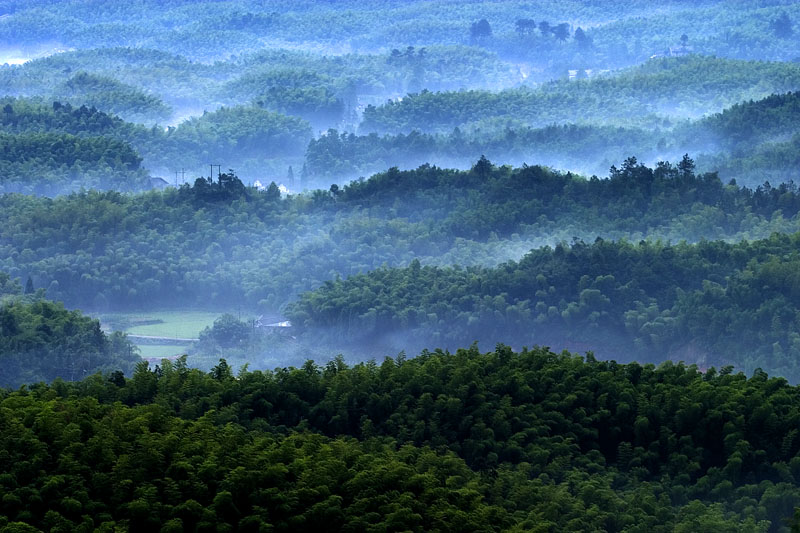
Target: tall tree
{"points": [[583, 40], [480, 30], [525, 27], [29, 286], [561, 32], [483, 167]]}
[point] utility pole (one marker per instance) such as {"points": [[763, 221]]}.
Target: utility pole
{"points": [[219, 171], [182, 172]]}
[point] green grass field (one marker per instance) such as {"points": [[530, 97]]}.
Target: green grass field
{"points": [[171, 324], [181, 324]]}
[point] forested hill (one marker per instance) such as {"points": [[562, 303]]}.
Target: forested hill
{"points": [[612, 33], [502, 441], [752, 142], [111, 95], [226, 244], [42, 341], [334, 155], [711, 303], [605, 191], [62, 162], [753, 122], [247, 135], [753, 138], [664, 87]]}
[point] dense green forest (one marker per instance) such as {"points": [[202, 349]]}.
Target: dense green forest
{"points": [[273, 110], [752, 122], [754, 138], [113, 96], [711, 303], [773, 161], [246, 136], [222, 243], [501, 441], [192, 85], [752, 142], [355, 77], [612, 33], [47, 163], [341, 155], [746, 142], [680, 87], [41, 340], [174, 79], [247, 187]]}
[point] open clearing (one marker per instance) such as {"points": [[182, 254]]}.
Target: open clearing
{"points": [[170, 324], [161, 326]]}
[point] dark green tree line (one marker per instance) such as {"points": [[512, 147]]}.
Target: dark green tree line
{"points": [[468, 441]]}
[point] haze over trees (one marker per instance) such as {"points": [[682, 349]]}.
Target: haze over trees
{"points": [[251, 253], [218, 242], [711, 304]]}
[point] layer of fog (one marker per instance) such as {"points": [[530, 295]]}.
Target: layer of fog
{"points": [[15, 56], [326, 344]]}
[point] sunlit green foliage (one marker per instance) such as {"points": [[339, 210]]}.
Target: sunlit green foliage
{"points": [[504, 441]]}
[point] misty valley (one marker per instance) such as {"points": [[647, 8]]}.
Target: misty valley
{"points": [[373, 266]]}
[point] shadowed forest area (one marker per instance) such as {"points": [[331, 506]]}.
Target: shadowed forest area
{"points": [[399, 266]]}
